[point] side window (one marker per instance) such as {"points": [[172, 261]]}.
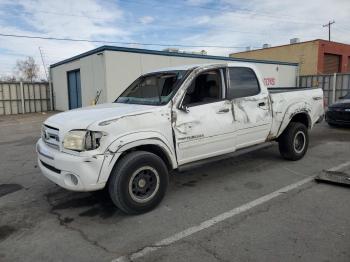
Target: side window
{"points": [[205, 88], [243, 82]]}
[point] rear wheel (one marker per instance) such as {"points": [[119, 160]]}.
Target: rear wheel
{"points": [[294, 141], [138, 182]]}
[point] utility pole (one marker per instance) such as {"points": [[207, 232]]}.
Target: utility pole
{"points": [[329, 28]]}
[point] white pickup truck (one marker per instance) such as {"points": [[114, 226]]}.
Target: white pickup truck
{"points": [[171, 119]]}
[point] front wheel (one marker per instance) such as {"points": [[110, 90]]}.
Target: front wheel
{"points": [[294, 141], [138, 182]]}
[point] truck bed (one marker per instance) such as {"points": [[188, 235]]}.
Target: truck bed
{"points": [[288, 101], [287, 89]]}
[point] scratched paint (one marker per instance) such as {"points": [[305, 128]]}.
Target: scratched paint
{"points": [[213, 129]]}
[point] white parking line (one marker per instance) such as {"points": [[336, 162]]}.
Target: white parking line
{"points": [[341, 166], [211, 222]]}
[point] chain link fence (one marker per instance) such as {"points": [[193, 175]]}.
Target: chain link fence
{"points": [[25, 97], [334, 86]]}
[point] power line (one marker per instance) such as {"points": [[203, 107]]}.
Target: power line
{"points": [[116, 42]]}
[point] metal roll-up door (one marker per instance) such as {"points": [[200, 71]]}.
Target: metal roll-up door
{"points": [[331, 64]]}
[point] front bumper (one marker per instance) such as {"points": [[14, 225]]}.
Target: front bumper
{"points": [[72, 172], [338, 117]]}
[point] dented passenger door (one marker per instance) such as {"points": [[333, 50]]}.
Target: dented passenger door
{"points": [[251, 106]]}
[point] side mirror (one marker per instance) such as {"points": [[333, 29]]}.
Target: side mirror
{"points": [[184, 108]]}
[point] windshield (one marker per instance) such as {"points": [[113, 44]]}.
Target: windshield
{"points": [[347, 96], [152, 89]]}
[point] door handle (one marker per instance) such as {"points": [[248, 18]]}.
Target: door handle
{"points": [[224, 110], [262, 105]]}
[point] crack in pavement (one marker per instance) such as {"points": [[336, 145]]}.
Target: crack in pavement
{"points": [[64, 222], [212, 252], [131, 256]]}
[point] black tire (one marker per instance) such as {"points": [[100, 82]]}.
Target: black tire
{"points": [[130, 196], [294, 141]]}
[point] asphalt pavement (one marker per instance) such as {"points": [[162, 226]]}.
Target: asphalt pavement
{"points": [[255, 207]]}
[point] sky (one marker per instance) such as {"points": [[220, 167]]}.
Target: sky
{"points": [[220, 27]]}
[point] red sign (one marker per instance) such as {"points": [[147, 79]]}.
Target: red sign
{"points": [[269, 81]]}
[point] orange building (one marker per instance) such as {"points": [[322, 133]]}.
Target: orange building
{"points": [[314, 57]]}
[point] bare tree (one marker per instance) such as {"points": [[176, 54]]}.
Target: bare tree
{"points": [[27, 69]]}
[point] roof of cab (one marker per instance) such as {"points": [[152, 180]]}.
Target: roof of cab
{"points": [[163, 53], [194, 66]]}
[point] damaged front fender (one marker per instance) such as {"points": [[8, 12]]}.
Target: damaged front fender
{"points": [[134, 140]]}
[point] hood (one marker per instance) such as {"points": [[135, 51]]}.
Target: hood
{"points": [[83, 117], [343, 103]]}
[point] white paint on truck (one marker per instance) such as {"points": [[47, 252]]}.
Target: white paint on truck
{"points": [[209, 110]]}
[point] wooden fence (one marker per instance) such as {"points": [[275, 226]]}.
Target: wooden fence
{"points": [[24, 97]]}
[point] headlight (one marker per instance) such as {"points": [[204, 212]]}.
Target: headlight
{"points": [[80, 140]]}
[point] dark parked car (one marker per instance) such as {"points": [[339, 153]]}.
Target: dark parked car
{"points": [[339, 113]]}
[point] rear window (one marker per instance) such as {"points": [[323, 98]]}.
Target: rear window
{"points": [[243, 83]]}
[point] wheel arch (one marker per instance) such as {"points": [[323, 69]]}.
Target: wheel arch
{"points": [[295, 112], [144, 142], [302, 117], [154, 148]]}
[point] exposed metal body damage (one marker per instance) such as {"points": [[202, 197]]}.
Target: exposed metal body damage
{"points": [[178, 134]]}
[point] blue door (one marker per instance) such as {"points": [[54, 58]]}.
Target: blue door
{"points": [[74, 89]]}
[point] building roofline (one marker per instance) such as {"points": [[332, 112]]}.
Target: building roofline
{"points": [[163, 53], [333, 42], [277, 46]]}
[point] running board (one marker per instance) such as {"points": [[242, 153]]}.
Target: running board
{"points": [[222, 157]]}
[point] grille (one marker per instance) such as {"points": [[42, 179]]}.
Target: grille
{"points": [[50, 136]]}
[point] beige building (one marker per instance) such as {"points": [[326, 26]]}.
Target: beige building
{"points": [[106, 72], [314, 57]]}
